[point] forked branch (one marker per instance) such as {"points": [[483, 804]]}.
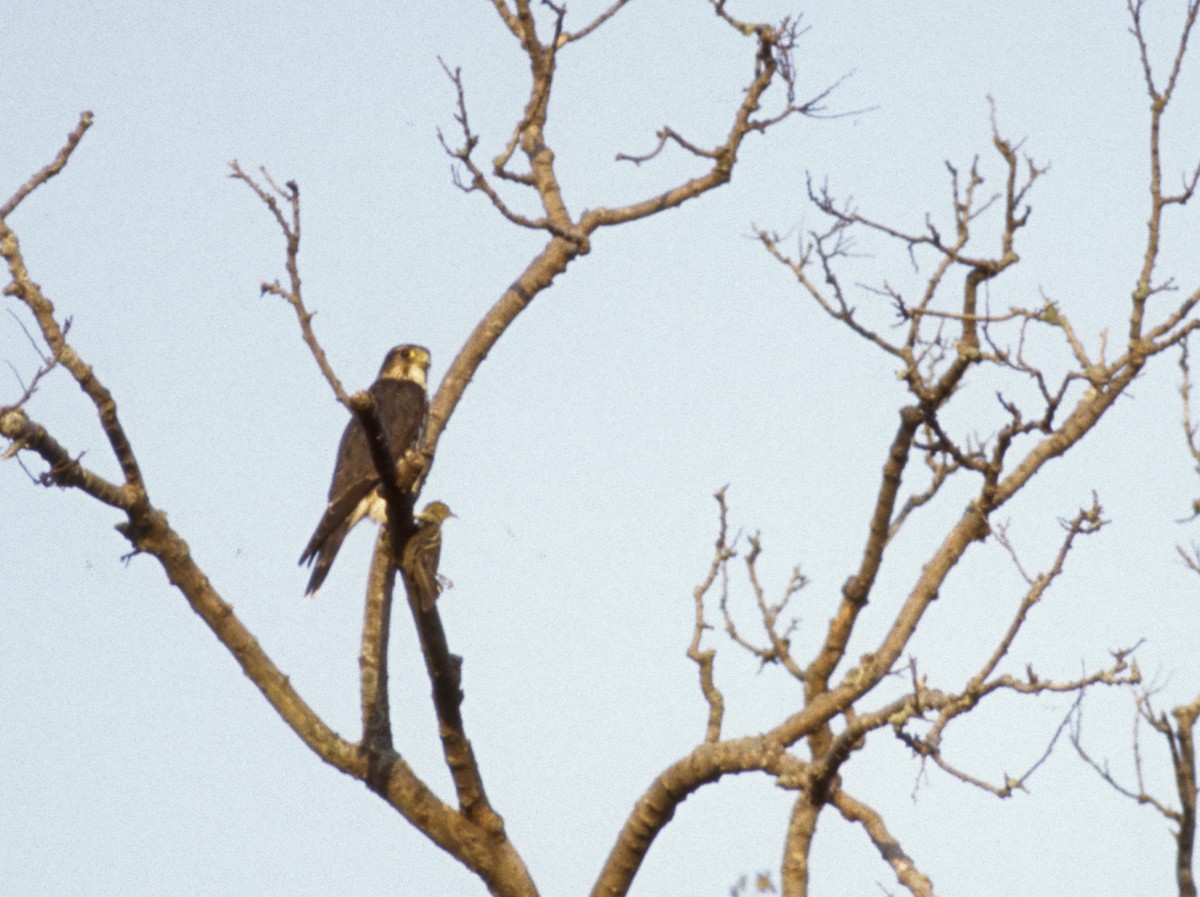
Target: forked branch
{"points": [[570, 234], [1178, 733]]}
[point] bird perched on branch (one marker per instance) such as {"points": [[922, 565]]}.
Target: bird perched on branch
{"points": [[400, 398], [423, 553]]}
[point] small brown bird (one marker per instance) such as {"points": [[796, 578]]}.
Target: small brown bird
{"points": [[423, 553]]}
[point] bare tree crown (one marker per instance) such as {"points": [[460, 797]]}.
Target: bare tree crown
{"points": [[1051, 382]]}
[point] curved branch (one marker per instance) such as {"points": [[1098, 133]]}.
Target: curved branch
{"points": [[774, 44], [705, 764]]}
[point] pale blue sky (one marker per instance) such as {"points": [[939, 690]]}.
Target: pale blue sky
{"points": [[675, 358]]}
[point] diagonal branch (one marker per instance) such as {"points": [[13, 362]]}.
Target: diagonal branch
{"points": [[49, 171], [570, 37], [65, 471], [444, 670], [772, 62], [854, 810], [290, 227]]}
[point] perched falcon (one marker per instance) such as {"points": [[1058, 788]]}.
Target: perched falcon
{"points": [[399, 394], [424, 551]]}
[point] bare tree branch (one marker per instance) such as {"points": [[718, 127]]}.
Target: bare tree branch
{"points": [[290, 227], [889, 848], [1179, 738], [593, 25], [1159, 99], [373, 669], [64, 471], [802, 829], [570, 236], [474, 836], [49, 171], [941, 332], [705, 658]]}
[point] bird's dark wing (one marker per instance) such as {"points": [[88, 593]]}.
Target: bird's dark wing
{"points": [[402, 406], [325, 551], [339, 513]]}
